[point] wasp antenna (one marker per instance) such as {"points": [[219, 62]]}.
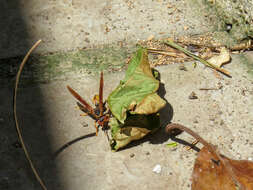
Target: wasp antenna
{"points": [[101, 87], [80, 99]]}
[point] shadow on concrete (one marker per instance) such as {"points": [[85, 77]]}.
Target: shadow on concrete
{"points": [[166, 113], [15, 172], [61, 149], [13, 29]]}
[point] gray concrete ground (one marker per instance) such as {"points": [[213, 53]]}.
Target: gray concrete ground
{"points": [[69, 155], [72, 24], [50, 122]]}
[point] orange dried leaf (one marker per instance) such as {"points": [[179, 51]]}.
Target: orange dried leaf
{"points": [[211, 174]]}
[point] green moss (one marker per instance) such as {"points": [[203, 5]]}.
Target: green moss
{"points": [[45, 68], [234, 14], [231, 20]]}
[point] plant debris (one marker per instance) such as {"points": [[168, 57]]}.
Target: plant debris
{"points": [[136, 93], [193, 96], [211, 65], [172, 145], [192, 145], [134, 104], [222, 58], [16, 118], [203, 47], [209, 173], [213, 170]]}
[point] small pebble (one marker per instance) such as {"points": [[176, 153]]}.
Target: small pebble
{"points": [[131, 155], [193, 96], [157, 169], [243, 92], [87, 40], [147, 153], [182, 68], [211, 117], [228, 82], [84, 124]]}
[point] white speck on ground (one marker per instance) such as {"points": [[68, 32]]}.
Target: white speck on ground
{"points": [[157, 169]]}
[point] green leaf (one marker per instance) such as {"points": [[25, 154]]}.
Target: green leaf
{"points": [[172, 145], [137, 92]]}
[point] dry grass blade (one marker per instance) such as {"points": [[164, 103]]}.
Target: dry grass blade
{"points": [[192, 144], [16, 118], [162, 52], [174, 45]]}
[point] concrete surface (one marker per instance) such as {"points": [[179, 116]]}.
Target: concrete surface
{"points": [[237, 15], [66, 25], [69, 156]]}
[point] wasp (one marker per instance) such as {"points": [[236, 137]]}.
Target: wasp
{"points": [[99, 114]]}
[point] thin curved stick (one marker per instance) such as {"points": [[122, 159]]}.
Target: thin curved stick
{"points": [[210, 148], [16, 118]]}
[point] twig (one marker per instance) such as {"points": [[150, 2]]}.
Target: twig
{"points": [[176, 46], [16, 118], [192, 144], [209, 88], [162, 52], [212, 88]]}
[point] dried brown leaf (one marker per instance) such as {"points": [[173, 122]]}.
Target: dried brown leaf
{"points": [[213, 171], [211, 174]]}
